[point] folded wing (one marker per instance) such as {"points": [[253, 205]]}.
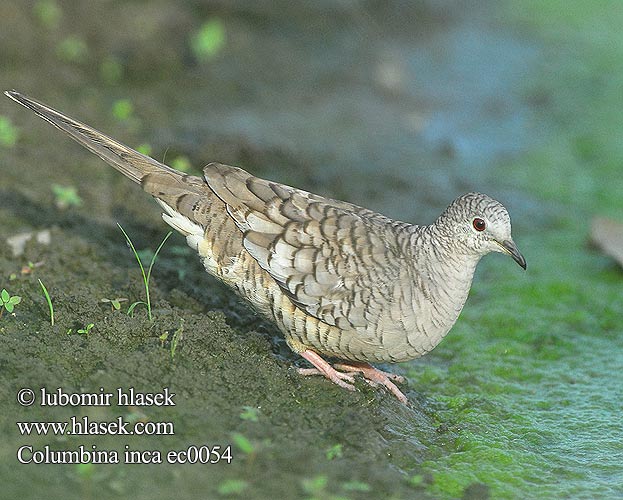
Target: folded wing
{"points": [[336, 261]]}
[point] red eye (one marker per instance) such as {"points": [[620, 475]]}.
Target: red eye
{"points": [[479, 224]]}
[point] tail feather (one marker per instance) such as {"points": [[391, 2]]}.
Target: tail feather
{"points": [[187, 195], [131, 163]]}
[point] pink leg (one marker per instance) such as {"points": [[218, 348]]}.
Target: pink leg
{"points": [[375, 376], [372, 375], [324, 368]]}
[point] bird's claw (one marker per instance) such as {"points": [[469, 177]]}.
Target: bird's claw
{"points": [[375, 377], [372, 376]]}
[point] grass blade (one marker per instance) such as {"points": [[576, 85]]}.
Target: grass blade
{"points": [[48, 300], [146, 277]]}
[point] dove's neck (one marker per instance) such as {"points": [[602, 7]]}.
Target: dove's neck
{"points": [[443, 254], [445, 272]]}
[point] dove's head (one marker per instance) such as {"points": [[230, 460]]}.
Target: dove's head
{"points": [[480, 225]]}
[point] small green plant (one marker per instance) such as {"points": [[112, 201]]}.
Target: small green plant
{"points": [[181, 163], [356, 486], [115, 304], [85, 471], [232, 487], [145, 148], [8, 132], [8, 302], [250, 413], [85, 330], [146, 276], [177, 336], [72, 49], [315, 486], [48, 300], [334, 452], [111, 70], [243, 443], [48, 12], [30, 267], [208, 41], [122, 109], [66, 196]]}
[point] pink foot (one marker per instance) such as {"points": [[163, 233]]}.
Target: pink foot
{"points": [[361, 367], [324, 368], [375, 377], [371, 375]]}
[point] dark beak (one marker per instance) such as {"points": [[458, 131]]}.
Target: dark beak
{"points": [[511, 249]]}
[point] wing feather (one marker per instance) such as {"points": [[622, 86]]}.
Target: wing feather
{"points": [[332, 259]]}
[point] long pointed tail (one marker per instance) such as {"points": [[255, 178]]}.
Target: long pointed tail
{"points": [[126, 160]]}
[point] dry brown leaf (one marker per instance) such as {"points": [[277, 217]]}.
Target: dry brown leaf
{"points": [[608, 236]]}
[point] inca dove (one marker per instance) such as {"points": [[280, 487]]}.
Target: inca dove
{"points": [[337, 279]]}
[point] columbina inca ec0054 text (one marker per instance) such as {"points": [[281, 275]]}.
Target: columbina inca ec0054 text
{"points": [[337, 279]]}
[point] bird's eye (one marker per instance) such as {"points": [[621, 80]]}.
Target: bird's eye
{"points": [[479, 224]]}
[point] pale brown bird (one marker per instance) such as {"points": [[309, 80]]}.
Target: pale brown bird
{"points": [[338, 280]]}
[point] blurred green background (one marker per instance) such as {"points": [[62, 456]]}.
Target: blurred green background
{"points": [[397, 106]]}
